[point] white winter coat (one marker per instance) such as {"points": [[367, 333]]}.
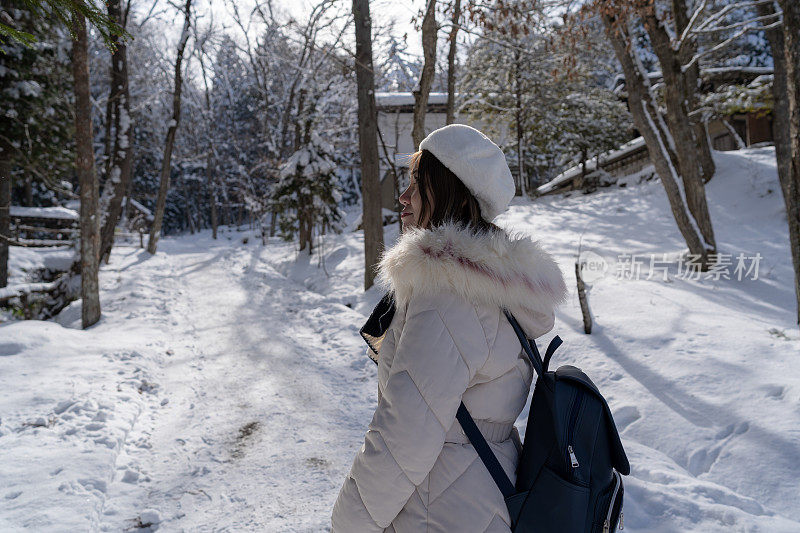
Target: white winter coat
{"points": [[448, 341]]}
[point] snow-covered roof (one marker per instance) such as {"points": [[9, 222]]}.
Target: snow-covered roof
{"points": [[710, 72], [591, 164], [384, 99], [44, 212], [746, 70]]}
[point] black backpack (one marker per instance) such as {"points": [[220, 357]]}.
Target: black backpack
{"points": [[568, 477]]}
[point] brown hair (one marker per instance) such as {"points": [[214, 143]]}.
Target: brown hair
{"points": [[452, 200]]}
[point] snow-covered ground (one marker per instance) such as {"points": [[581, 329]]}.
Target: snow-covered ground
{"points": [[226, 386]]}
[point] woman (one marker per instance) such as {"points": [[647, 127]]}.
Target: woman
{"points": [[440, 337]]}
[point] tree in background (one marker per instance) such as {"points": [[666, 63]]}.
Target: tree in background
{"points": [[399, 70], [308, 194], [87, 177], [60, 11], [423, 88], [119, 142], [670, 132], [172, 128], [552, 93], [587, 121], [455, 25], [368, 142], [505, 78], [648, 122]]}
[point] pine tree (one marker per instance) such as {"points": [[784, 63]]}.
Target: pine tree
{"points": [[308, 194]]}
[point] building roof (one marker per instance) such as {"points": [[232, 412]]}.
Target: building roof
{"points": [[591, 164], [404, 102]]}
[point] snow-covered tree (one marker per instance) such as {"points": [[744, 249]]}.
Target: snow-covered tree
{"points": [[35, 104], [553, 97], [588, 121], [399, 70], [308, 194]]}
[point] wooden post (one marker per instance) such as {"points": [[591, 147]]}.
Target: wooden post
{"points": [[587, 317]]}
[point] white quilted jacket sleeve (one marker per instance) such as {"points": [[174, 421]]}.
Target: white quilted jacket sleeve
{"points": [[440, 349]]}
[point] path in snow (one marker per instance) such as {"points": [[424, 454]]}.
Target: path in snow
{"points": [[258, 407]]}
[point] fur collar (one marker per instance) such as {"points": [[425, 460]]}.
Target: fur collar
{"points": [[492, 268]]}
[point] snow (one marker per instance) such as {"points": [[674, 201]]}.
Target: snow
{"points": [[226, 386], [16, 290], [44, 212], [24, 261]]}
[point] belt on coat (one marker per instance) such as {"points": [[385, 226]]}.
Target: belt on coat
{"points": [[491, 431]]}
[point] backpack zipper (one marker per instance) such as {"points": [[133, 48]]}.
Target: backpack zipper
{"points": [[607, 523], [573, 418]]}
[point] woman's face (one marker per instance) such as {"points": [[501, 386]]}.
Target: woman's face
{"points": [[412, 201]]}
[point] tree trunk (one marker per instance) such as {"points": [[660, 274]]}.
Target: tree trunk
{"points": [[122, 152], [680, 127], [451, 64], [302, 226], [518, 121], [787, 141], [158, 215], [645, 121], [423, 89], [5, 211], [87, 177], [368, 142], [188, 207], [690, 79], [210, 181], [212, 193], [298, 119]]}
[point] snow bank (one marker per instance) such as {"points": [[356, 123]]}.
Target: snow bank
{"points": [[23, 261]]}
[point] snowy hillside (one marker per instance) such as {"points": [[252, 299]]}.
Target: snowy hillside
{"points": [[226, 386]]}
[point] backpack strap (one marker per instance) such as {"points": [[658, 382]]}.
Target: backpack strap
{"points": [[484, 452], [474, 434], [528, 345], [554, 344]]}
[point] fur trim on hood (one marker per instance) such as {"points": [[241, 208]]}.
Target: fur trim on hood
{"points": [[483, 267]]}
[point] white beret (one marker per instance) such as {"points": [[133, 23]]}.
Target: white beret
{"points": [[478, 162]]}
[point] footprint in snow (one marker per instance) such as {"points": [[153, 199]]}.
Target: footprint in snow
{"points": [[625, 416], [774, 391]]}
